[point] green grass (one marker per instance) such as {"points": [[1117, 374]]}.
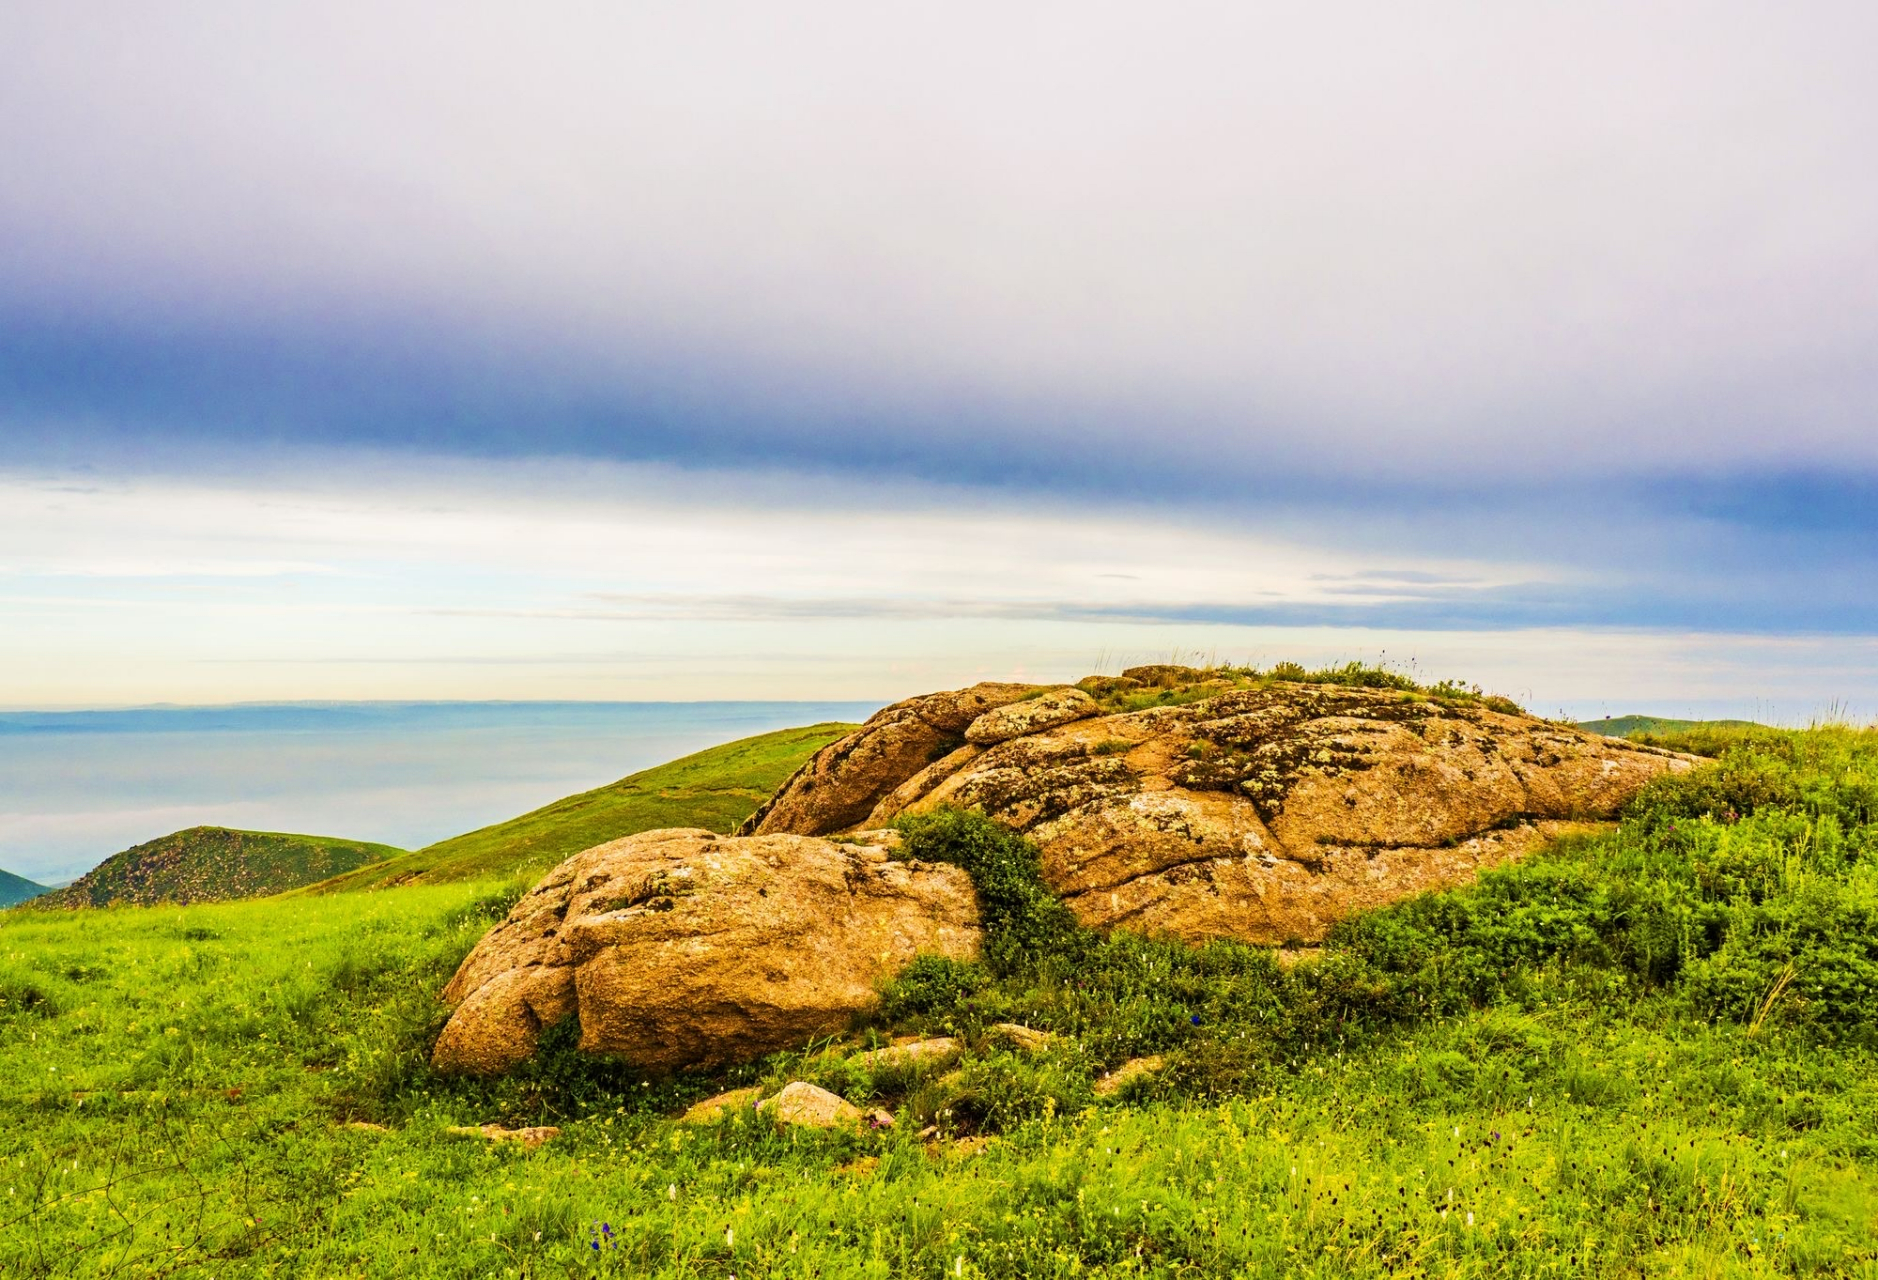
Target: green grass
{"points": [[1629, 726], [716, 788], [17, 888], [1647, 1053], [213, 864], [1209, 682]]}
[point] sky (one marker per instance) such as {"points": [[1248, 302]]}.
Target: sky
{"points": [[844, 351]]}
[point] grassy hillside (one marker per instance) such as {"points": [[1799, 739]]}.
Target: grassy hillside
{"points": [[1630, 726], [17, 889], [1647, 1053], [716, 788], [213, 864]]}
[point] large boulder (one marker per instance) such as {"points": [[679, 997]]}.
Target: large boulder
{"points": [[1264, 812], [683, 948], [841, 783]]}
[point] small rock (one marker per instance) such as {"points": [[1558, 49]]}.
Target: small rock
{"points": [[803, 1105], [1027, 1039], [530, 1137], [366, 1126], [935, 1052], [716, 1108], [880, 1119], [1130, 1071]]}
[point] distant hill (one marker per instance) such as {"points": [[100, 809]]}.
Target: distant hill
{"points": [[716, 789], [17, 889], [209, 864], [1626, 726]]}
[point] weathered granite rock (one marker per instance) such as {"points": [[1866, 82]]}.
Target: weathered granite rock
{"points": [[805, 1106], [1130, 1071], [530, 1137], [715, 1108], [683, 948], [841, 783], [1022, 1038], [937, 1052], [1032, 715], [1264, 811]]}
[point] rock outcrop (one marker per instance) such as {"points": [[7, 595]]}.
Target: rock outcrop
{"points": [[841, 783], [1182, 802], [683, 948]]}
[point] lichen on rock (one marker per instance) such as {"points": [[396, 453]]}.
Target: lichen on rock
{"points": [[684, 949], [1264, 810]]}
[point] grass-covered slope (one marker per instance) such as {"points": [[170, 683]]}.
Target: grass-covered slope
{"points": [[14, 889], [213, 864], [1629, 726], [716, 788], [1648, 1053]]}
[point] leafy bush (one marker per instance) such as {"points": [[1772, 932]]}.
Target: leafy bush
{"points": [[1023, 920]]}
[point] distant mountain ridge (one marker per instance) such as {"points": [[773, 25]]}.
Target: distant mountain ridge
{"points": [[213, 864], [17, 889], [1624, 726]]}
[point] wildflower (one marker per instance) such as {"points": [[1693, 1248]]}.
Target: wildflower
{"points": [[1195, 1019]]}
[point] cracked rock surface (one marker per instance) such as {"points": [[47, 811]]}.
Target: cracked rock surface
{"points": [[1259, 811], [681, 948]]}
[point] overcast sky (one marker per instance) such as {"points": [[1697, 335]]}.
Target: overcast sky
{"points": [[831, 350]]}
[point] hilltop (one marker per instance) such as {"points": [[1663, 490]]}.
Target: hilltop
{"points": [[212, 864], [1629, 726], [16, 889], [1641, 1051], [716, 789]]}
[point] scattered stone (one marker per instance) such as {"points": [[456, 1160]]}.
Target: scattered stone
{"points": [[1288, 956], [687, 949], [1130, 1071], [880, 1118], [530, 1137], [366, 1126], [1034, 715], [936, 1052], [1026, 1039], [805, 1106], [713, 1109]]}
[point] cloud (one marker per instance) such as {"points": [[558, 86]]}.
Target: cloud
{"points": [[1085, 247]]}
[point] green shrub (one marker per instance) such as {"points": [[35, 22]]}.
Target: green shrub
{"points": [[1023, 920]]}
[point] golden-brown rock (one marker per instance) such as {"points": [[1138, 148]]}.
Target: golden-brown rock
{"points": [[684, 948], [1031, 715], [801, 1105], [841, 783], [1267, 811], [718, 1106], [939, 1051]]}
